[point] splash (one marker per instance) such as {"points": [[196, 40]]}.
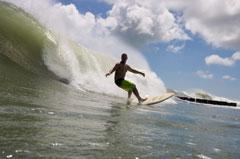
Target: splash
{"points": [[82, 55]]}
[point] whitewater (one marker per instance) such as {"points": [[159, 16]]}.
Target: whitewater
{"points": [[83, 67], [55, 101]]}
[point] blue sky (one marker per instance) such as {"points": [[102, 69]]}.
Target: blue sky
{"points": [[94, 6], [193, 46]]}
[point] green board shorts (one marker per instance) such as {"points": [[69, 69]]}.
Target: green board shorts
{"points": [[124, 84]]}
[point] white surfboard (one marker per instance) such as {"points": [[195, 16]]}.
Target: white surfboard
{"points": [[155, 99]]}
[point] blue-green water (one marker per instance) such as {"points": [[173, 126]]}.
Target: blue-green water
{"points": [[41, 117]]}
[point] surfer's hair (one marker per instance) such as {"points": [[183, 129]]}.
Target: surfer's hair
{"points": [[123, 58]]}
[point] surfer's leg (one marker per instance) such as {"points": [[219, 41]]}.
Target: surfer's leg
{"points": [[135, 91], [140, 99], [129, 97], [129, 94], [131, 87]]}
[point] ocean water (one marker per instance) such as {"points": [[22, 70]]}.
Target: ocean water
{"points": [[56, 103], [54, 120]]}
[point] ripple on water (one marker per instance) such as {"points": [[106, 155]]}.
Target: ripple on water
{"points": [[201, 156], [217, 150], [51, 113], [191, 143], [9, 156], [56, 144], [22, 151], [100, 145]]}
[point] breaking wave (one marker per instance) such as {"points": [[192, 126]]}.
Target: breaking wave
{"points": [[45, 52]]}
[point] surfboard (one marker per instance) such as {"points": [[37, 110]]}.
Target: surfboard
{"points": [[155, 99]]}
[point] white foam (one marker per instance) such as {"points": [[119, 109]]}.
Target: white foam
{"points": [[217, 150], [84, 68], [201, 156]]}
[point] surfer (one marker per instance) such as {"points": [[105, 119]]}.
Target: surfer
{"points": [[120, 70]]}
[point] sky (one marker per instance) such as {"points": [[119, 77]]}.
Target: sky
{"points": [[190, 45]]}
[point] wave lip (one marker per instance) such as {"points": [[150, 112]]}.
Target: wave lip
{"points": [[22, 39]]}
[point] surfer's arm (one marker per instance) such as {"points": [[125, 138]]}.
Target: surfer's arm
{"points": [[135, 71], [112, 70]]}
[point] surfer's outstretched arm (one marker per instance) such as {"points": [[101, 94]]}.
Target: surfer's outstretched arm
{"points": [[112, 70], [135, 71]]}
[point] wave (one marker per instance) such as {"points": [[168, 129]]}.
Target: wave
{"points": [[201, 94], [21, 39], [46, 52], [86, 69]]}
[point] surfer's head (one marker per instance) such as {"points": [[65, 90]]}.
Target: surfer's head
{"points": [[124, 58]]}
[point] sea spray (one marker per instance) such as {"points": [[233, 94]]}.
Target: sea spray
{"points": [[81, 66], [61, 60], [86, 69]]}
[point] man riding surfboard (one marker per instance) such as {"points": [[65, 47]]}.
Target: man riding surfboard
{"points": [[120, 70]]}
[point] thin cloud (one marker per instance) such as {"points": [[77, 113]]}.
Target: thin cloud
{"points": [[228, 77], [204, 74], [175, 48]]}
